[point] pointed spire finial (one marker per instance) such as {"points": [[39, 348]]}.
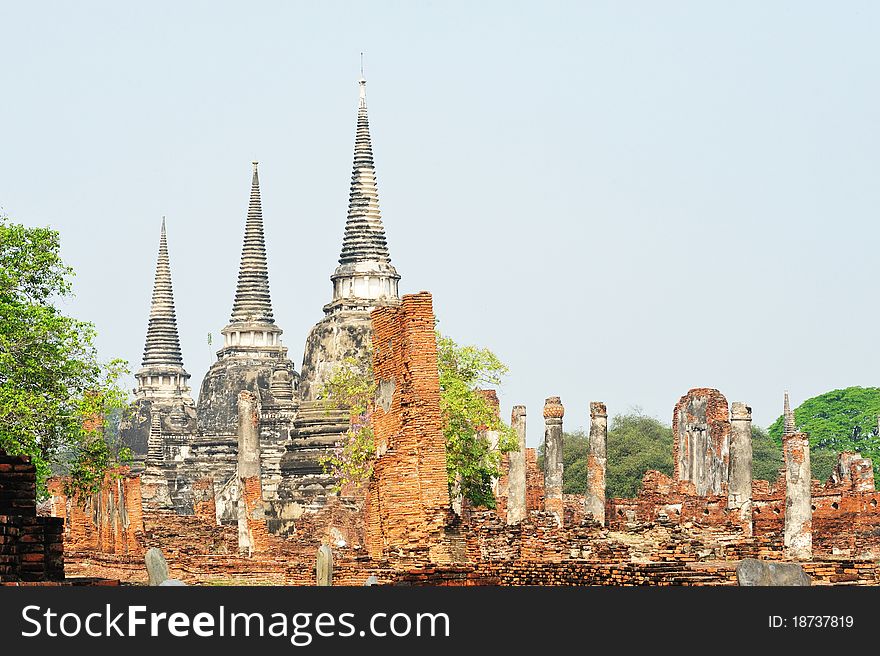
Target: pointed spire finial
{"points": [[364, 238], [362, 83], [252, 301], [162, 345], [788, 424]]}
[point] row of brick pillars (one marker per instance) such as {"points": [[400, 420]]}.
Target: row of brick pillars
{"points": [[553, 413]]}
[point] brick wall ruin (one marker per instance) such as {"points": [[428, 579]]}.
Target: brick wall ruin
{"points": [[109, 521], [408, 498], [688, 529], [701, 439], [30, 545]]}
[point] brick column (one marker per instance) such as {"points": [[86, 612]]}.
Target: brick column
{"points": [[798, 534], [408, 504], [739, 491], [596, 462], [516, 473], [553, 413], [250, 501]]}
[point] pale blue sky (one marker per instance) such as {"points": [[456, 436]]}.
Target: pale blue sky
{"points": [[623, 200]]}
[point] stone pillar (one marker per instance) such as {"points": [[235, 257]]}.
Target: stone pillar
{"points": [[596, 462], [250, 495], [516, 473], [798, 535], [739, 490], [553, 413], [324, 566]]}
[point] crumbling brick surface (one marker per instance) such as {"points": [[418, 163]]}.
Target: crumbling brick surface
{"points": [[534, 482], [109, 521], [701, 440], [408, 498], [204, 502], [255, 515], [31, 547]]}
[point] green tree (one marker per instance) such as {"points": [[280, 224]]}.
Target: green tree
{"points": [[353, 388], [636, 443], [839, 420], [471, 463], [53, 389], [766, 455]]}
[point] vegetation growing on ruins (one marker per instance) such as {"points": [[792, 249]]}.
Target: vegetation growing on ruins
{"points": [[471, 463], [766, 455], [637, 443], [352, 387], [52, 385], [839, 420]]}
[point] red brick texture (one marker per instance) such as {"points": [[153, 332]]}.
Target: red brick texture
{"points": [[408, 506], [31, 547], [204, 499], [110, 521], [701, 440]]}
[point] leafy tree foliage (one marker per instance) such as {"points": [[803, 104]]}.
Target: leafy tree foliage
{"points": [[471, 463], [53, 389], [352, 387], [766, 455], [636, 443], [839, 420]]}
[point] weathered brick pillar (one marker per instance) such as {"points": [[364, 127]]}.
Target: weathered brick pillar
{"points": [[251, 523], [739, 490], [596, 461], [701, 440], [553, 413], [516, 473], [798, 534], [408, 504]]}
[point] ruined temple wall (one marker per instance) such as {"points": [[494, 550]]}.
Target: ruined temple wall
{"points": [[701, 440], [108, 521], [408, 505], [204, 499], [534, 482], [31, 547]]}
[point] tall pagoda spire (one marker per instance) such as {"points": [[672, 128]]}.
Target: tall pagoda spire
{"points": [[162, 374], [163, 344], [788, 424], [364, 238], [365, 277], [252, 301], [251, 328]]}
